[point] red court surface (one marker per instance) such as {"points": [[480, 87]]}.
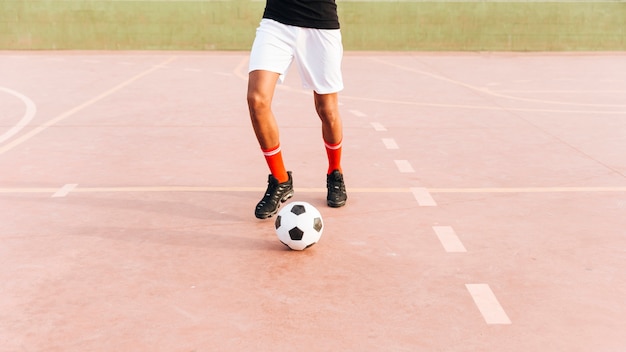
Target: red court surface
{"points": [[486, 210]]}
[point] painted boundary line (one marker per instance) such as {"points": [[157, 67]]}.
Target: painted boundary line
{"points": [[423, 197], [488, 304], [528, 190], [31, 111], [18, 190], [500, 95], [35, 131], [378, 127], [404, 166], [449, 239], [390, 143], [65, 190]]}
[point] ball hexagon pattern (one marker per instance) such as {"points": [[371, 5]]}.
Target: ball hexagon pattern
{"points": [[299, 225]]}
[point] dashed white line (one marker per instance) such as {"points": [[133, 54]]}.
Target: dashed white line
{"points": [[404, 166], [65, 190], [378, 127], [357, 113], [450, 241], [422, 197], [488, 304], [390, 143]]}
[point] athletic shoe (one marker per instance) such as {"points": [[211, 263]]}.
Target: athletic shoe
{"points": [[275, 194], [336, 196]]}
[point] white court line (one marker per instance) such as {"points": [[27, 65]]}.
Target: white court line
{"points": [[65, 190], [448, 238], [484, 107], [241, 68], [528, 190], [488, 304], [241, 72], [357, 113], [495, 94], [378, 127], [31, 110], [421, 194], [404, 166], [423, 197], [65, 115], [390, 143], [598, 91]]}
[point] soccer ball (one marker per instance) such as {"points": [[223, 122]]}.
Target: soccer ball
{"points": [[299, 225]]}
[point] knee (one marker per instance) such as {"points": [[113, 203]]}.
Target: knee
{"points": [[327, 112], [258, 103]]}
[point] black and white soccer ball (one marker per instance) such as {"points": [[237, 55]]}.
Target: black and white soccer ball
{"points": [[299, 225]]}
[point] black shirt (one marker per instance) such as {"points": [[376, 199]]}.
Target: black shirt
{"points": [[320, 14]]}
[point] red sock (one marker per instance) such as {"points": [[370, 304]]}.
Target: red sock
{"points": [[274, 159], [333, 151]]}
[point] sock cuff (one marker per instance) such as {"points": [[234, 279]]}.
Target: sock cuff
{"points": [[333, 146], [271, 151]]}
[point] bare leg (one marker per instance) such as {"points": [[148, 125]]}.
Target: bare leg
{"points": [[327, 107], [261, 86]]}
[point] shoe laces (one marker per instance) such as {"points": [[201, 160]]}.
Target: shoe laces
{"points": [[335, 181]]}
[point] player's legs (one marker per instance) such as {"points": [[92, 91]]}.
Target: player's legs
{"points": [[319, 57], [327, 108], [261, 85], [270, 58]]}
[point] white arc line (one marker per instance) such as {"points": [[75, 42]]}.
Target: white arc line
{"points": [[448, 238], [31, 110], [65, 190], [488, 304], [74, 110]]}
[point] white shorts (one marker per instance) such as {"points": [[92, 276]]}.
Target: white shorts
{"points": [[317, 53]]}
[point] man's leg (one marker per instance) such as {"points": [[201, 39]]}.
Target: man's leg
{"points": [[261, 86], [327, 107]]}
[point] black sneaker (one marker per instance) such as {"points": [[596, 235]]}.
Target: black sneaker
{"points": [[336, 196], [275, 194]]}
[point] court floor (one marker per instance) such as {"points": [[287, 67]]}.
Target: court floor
{"points": [[486, 209]]}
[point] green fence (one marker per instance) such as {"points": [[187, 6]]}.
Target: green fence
{"points": [[366, 25]]}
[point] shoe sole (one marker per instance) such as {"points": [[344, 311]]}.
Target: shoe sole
{"points": [[282, 200], [336, 205]]}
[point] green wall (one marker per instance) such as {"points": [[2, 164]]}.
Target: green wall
{"points": [[366, 25]]}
